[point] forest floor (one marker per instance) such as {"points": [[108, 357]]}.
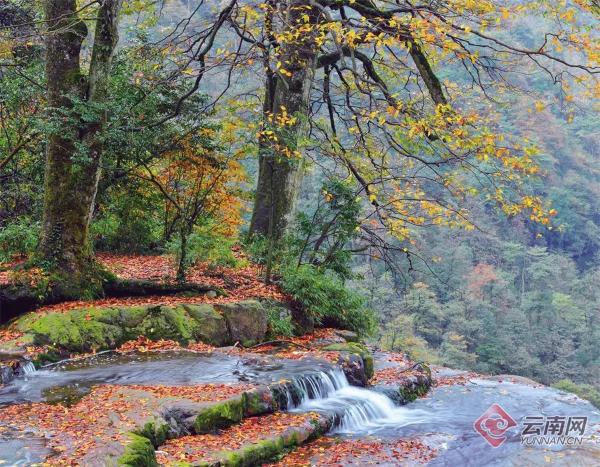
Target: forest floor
{"points": [[238, 284]]}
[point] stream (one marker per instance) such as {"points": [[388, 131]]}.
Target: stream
{"points": [[444, 419]]}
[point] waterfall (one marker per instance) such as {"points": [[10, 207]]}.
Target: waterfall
{"points": [[26, 368], [354, 409]]}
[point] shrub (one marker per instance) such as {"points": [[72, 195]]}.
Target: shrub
{"points": [[18, 238], [123, 223], [280, 321], [585, 391], [325, 297], [205, 244]]}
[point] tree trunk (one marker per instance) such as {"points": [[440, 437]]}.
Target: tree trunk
{"points": [[74, 153], [181, 270], [280, 172]]}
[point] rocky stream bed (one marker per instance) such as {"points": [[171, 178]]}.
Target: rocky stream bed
{"points": [[203, 393], [232, 408]]}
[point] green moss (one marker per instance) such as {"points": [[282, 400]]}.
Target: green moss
{"points": [[75, 331], [411, 394], [138, 453], [220, 415], [157, 433], [256, 453], [358, 349], [106, 328], [132, 316], [253, 403], [164, 322]]}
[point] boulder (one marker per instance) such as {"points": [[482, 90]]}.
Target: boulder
{"points": [[181, 416], [166, 322], [7, 373], [348, 336], [212, 327], [246, 321], [354, 368], [101, 328], [357, 349]]}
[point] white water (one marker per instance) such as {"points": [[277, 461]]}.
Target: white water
{"points": [[356, 409], [28, 369]]}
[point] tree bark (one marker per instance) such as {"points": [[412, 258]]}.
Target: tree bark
{"points": [[74, 152], [280, 174]]}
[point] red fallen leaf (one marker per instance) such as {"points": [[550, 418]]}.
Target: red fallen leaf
{"points": [[332, 451], [76, 430], [205, 447], [460, 379], [241, 284]]}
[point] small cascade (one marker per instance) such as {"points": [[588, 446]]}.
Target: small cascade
{"points": [[27, 368], [353, 409]]}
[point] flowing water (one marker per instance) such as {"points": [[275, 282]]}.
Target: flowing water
{"points": [[444, 418], [355, 410]]}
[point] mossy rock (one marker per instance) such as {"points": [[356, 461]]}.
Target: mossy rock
{"points": [[359, 349], [256, 453], [139, 452], [410, 394], [212, 327], [246, 321], [86, 329], [220, 415], [165, 322], [156, 431], [258, 401], [132, 316], [75, 331], [270, 449]]}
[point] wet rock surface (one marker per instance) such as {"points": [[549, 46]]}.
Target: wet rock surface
{"points": [[226, 408]]}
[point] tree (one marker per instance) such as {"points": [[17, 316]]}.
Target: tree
{"points": [[286, 105], [74, 154], [363, 79], [199, 185]]}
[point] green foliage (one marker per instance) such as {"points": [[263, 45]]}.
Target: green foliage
{"points": [[280, 321], [323, 236], [313, 261], [18, 238], [206, 245], [123, 222], [585, 391], [257, 248], [399, 335], [325, 297]]}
